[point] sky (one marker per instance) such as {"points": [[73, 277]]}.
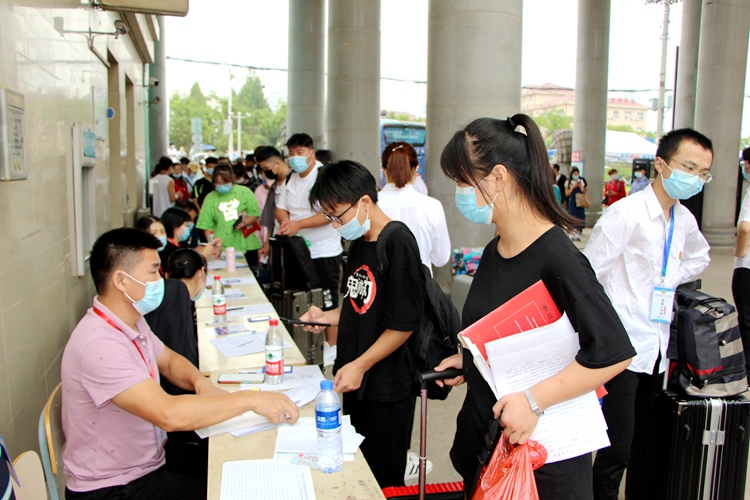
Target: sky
{"points": [[255, 33]]}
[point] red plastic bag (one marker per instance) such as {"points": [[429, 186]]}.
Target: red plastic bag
{"points": [[510, 473]]}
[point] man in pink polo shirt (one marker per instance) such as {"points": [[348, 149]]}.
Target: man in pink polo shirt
{"points": [[115, 414]]}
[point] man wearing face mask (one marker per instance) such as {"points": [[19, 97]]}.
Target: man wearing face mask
{"points": [[741, 274], [110, 372], [203, 186], [295, 216], [642, 248], [373, 368], [276, 172], [640, 182]]}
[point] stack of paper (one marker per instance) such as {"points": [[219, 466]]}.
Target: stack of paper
{"points": [[302, 437], [265, 479]]}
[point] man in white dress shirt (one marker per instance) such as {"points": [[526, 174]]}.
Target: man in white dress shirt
{"points": [[642, 248]]}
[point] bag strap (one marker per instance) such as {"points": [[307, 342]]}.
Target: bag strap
{"points": [[380, 252]]}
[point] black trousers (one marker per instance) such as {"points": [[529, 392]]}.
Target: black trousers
{"points": [[183, 476], [251, 256], [625, 407], [329, 274], [387, 431], [741, 294]]}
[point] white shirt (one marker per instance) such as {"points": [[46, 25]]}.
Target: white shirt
{"points": [[744, 217], [161, 194], [293, 197], [626, 250], [420, 186], [425, 218]]}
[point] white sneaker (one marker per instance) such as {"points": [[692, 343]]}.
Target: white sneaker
{"points": [[329, 354], [412, 466]]}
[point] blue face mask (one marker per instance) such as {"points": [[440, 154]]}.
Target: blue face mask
{"points": [[210, 171], [466, 202], [353, 229], [153, 297], [298, 163], [186, 233], [574, 177], [223, 188], [682, 186], [203, 289], [745, 175], [638, 175], [163, 240]]}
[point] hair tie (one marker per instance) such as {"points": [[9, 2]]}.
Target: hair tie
{"points": [[397, 147], [512, 123]]}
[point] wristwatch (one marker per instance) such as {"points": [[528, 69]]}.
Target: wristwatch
{"points": [[532, 403]]}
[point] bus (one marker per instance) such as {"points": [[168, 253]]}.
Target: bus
{"points": [[412, 132]]}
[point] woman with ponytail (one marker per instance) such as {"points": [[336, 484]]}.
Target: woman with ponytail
{"points": [[400, 201], [501, 171]]}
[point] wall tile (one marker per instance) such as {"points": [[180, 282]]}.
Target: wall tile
{"points": [[25, 424]]}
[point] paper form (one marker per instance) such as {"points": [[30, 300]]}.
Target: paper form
{"points": [[244, 280], [252, 310], [241, 344], [264, 480], [302, 437], [568, 429]]}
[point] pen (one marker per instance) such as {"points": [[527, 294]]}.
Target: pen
{"points": [[235, 308]]}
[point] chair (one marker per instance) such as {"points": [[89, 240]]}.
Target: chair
{"points": [[52, 444], [30, 474]]}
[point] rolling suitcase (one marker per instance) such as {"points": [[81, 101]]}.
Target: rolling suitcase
{"points": [[292, 304], [438, 491], [691, 449]]}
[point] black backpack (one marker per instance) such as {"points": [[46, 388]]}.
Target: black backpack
{"points": [[437, 338]]}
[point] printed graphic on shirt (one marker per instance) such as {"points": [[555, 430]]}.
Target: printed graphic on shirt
{"points": [[230, 209], [361, 289]]}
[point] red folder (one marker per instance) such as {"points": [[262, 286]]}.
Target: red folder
{"points": [[529, 309]]}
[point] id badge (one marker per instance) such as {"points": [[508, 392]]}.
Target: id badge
{"points": [[661, 304]]}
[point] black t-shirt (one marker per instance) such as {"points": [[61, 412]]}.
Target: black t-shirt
{"points": [[573, 286], [174, 323], [374, 303], [201, 188], [166, 253]]}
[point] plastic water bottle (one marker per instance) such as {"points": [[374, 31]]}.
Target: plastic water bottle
{"points": [[274, 353], [231, 260], [328, 423], [219, 300]]}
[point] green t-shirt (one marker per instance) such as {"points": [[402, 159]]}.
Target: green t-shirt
{"points": [[220, 211]]}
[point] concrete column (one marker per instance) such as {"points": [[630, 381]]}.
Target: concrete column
{"points": [[590, 115], [353, 101], [687, 67], [158, 139], [718, 109], [306, 76], [473, 71]]}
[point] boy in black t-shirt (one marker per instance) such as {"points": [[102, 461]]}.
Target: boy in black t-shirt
{"points": [[379, 312]]}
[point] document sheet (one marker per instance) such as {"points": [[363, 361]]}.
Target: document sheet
{"points": [[265, 480]]}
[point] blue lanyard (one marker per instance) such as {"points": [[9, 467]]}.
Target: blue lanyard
{"points": [[668, 244]]}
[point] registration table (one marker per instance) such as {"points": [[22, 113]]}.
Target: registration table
{"points": [[210, 359], [355, 481]]}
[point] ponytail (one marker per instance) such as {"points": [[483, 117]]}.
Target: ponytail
{"points": [[399, 159], [472, 153]]}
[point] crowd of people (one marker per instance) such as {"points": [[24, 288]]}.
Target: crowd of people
{"points": [[129, 371]]}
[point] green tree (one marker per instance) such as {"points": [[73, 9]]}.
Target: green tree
{"points": [[250, 97], [621, 128], [550, 121], [210, 110]]}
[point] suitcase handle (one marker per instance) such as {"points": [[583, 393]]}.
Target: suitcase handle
{"points": [[685, 432], [433, 375]]}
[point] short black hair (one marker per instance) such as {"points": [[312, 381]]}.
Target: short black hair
{"points": [[172, 218], [324, 156], [211, 160], [267, 152], [184, 263], [746, 154], [146, 221], [164, 163], [239, 170], [671, 141], [301, 139], [342, 182], [249, 157], [118, 249], [186, 205], [184, 160], [556, 167]]}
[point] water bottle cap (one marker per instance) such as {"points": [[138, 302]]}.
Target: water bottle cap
{"points": [[217, 277], [273, 322], [326, 384]]}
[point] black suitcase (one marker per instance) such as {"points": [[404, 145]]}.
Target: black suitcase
{"points": [[292, 304], [691, 449]]}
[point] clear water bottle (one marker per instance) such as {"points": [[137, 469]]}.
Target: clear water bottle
{"points": [[274, 353], [328, 423], [219, 300]]}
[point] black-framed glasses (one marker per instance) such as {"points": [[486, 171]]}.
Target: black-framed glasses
{"points": [[337, 218], [705, 176]]}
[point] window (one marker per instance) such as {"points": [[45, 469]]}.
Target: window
{"points": [[640, 116], [628, 116], [616, 114]]}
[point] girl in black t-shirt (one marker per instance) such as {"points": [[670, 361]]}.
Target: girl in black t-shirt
{"points": [[506, 163]]}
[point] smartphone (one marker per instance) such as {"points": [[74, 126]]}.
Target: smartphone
{"points": [[302, 323], [241, 378]]}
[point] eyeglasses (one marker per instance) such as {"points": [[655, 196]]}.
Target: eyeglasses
{"points": [[337, 218], [705, 176]]}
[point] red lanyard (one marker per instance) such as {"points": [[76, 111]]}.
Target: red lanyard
{"points": [[173, 242], [113, 325]]}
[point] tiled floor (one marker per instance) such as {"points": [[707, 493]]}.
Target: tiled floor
{"points": [[441, 422]]}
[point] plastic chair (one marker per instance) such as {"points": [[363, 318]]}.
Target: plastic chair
{"points": [[29, 470], [52, 444]]}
